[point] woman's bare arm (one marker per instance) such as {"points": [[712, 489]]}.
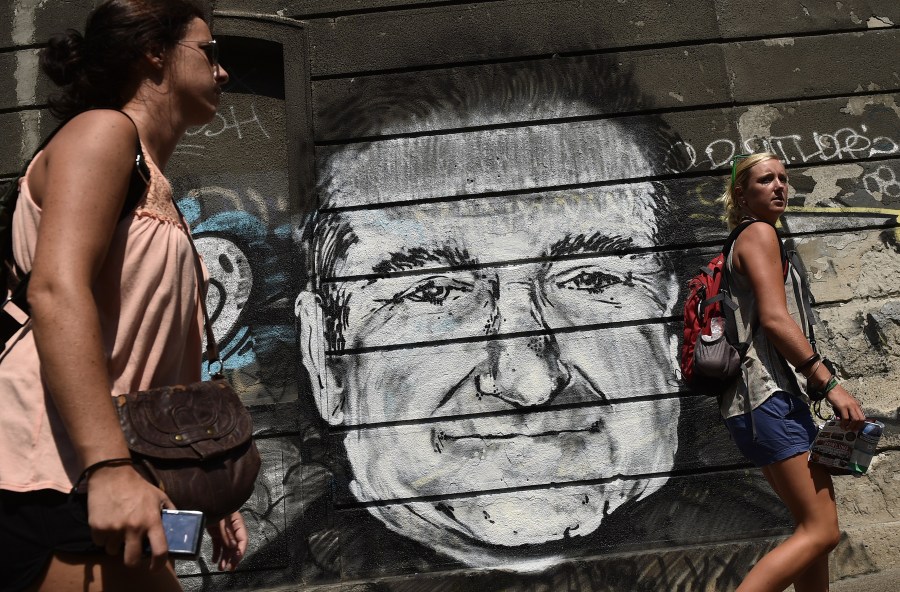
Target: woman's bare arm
{"points": [[757, 255], [81, 183]]}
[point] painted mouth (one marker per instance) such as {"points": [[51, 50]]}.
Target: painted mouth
{"points": [[440, 438]]}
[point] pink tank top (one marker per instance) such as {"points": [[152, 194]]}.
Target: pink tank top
{"points": [[151, 324]]}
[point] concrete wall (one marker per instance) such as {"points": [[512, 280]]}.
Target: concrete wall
{"points": [[449, 243]]}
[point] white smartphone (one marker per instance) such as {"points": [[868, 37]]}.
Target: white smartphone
{"points": [[184, 532]]}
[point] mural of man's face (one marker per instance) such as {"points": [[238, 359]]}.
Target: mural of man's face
{"points": [[504, 348]]}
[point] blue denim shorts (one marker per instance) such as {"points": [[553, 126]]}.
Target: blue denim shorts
{"points": [[784, 428]]}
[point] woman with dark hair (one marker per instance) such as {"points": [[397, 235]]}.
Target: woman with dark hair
{"points": [[767, 409], [114, 303]]}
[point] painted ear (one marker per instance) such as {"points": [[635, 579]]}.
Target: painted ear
{"points": [[327, 385], [669, 293]]}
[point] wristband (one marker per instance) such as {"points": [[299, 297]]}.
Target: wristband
{"points": [[110, 462], [813, 371], [799, 369], [826, 388]]}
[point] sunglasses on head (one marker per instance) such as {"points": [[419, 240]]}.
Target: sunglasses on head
{"points": [[734, 162]]}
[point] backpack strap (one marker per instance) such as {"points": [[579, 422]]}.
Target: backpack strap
{"points": [[137, 186], [729, 244], [729, 306], [804, 296], [804, 299]]}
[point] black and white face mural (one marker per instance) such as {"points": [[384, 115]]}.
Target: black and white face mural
{"points": [[500, 385], [447, 284], [463, 355], [477, 345]]}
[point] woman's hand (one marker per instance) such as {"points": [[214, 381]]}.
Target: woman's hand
{"points": [[124, 511], [846, 407], [229, 539]]}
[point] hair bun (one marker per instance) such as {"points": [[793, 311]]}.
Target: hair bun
{"points": [[63, 58]]}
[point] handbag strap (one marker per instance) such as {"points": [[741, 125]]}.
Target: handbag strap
{"points": [[212, 348]]}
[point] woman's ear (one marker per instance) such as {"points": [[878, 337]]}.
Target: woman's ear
{"points": [[156, 58], [326, 379]]}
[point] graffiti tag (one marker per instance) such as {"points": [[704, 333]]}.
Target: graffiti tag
{"points": [[844, 143], [229, 121]]}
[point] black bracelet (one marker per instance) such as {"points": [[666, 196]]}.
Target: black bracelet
{"points": [[110, 462], [799, 369]]}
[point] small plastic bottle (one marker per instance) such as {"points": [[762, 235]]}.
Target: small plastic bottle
{"points": [[864, 447], [717, 327]]}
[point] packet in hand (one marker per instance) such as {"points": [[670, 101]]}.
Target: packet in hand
{"points": [[846, 452]]}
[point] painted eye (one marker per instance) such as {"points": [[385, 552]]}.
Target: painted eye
{"points": [[429, 292], [435, 290], [594, 282]]}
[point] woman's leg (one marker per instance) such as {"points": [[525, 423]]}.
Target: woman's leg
{"points": [[89, 573], [815, 578], [802, 559]]}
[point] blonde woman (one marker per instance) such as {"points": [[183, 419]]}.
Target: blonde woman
{"points": [[767, 409]]}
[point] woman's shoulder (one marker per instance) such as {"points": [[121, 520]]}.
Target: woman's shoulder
{"points": [[97, 125], [755, 247], [758, 232], [103, 133]]}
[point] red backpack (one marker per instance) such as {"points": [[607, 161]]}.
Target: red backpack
{"points": [[709, 311]]}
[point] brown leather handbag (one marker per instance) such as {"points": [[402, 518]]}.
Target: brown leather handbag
{"points": [[194, 441]]}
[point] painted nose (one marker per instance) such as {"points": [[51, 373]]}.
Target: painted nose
{"points": [[525, 374], [522, 371]]}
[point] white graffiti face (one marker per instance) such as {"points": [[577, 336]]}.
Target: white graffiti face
{"points": [[231, 281], [510, 281]]}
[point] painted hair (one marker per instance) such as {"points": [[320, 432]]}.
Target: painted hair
{"points": [[740, 170], [323, 239], [98, 69]]}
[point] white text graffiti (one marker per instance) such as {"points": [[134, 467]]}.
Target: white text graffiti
{"points": [[882, 182], [228, 120], [845, 143]]}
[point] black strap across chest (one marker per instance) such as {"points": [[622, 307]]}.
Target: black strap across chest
{"points": [[10, 320]]}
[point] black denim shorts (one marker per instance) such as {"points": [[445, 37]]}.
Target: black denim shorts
{"points": [[33, 526]]}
